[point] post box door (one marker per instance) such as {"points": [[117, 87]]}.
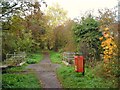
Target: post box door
{"points": [[76, 63], [80, 64]]}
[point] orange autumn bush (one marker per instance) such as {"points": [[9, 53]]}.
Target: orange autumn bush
{"points": [[109, 50], [108, 43]]}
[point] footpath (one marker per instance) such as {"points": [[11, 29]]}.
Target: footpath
{"points": [[45, 71]]}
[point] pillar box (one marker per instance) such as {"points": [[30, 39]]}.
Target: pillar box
{"points": [[79, 64]]}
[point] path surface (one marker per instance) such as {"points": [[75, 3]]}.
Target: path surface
{"points": [[45, 71]]}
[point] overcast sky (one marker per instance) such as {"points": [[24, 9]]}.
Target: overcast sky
{"points": [[79, 7]]}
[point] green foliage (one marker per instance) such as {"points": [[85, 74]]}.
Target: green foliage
{"points": [[113, 68], [56, 17], [22, 34], [8, 9], [108, 26], [20, 81], [37, 24], [16, 39], [63, 36], [15, 69], [9, 45], [77, 80], [55, 57], [34, 58], [34, 31], [87, 36]]}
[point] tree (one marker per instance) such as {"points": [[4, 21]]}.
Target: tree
{"points": [[87, 36], [69, 43], [56, 17], [20, 34], [8, 10]]}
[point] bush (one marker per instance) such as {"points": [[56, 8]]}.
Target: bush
{"points": [[55, 57], [34, 58], [87, 37], [32, 61]]}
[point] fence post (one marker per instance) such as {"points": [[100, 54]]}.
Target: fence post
{"points": [[14, 56], [6, 56]]}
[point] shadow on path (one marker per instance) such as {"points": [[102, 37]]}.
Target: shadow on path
{"points": [[45, 70]]}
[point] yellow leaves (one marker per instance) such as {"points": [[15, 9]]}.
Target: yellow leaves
{"points": [[110, 52], [106, 35], [101, 38], [107, 42], [108, 45], [105, 52], [102, 45], [107, 56], [106, 60], [109, 71], [114, 46], [106, 29]]}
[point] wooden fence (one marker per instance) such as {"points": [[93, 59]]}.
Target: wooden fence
{"points": [[69, 57], [21, 54], [15, 58]]}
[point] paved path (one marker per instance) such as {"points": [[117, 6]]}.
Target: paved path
{"points": [[45, 71]]}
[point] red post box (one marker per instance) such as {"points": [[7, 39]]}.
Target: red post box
{"points": [[76, 63], [79, 64]]}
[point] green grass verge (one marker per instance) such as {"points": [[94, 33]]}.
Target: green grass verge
{"points": [[71, 79], [34, 58], [20, 81], [55, 57], [13, 77], [15, 69]]}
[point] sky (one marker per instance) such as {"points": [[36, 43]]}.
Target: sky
{"points": [[77, 8]]}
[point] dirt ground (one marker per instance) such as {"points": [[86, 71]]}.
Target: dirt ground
{"points": [[45, 71]]}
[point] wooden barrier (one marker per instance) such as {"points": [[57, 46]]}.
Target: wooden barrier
{"points": [[16, 59], [69, 57]]}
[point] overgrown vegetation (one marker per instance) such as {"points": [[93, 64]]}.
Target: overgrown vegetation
{"points": [[87, 37], [34, 58], [20, 81], [18, 77], [95, 37], [55, 57], [15, 69], [93, 77], [71, 79]]}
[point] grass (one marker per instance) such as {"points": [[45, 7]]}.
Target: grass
{"points": [[13, 77], [20, 81], [34, 58], [31, 59], [71, 79], [15, 69], [55, 57]]}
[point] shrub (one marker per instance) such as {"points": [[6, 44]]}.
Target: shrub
{"points": [[34, 58]]}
